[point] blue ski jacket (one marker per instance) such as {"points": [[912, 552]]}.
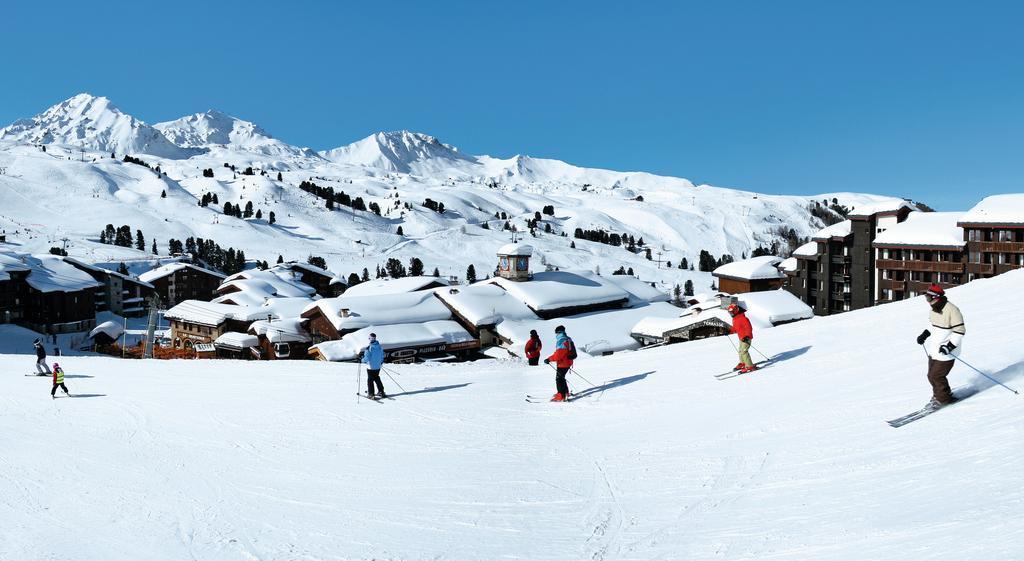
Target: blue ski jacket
{"points": [[373, 356]]}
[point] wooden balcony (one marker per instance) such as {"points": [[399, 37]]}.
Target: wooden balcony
{"points": [[1000, 247], [980, 268], [922, 266], [891, 284], [1005, 267]]}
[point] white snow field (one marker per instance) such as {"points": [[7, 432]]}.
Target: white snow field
{"points": [[224, 460]]}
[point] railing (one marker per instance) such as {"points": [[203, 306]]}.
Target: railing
{"points": [[980, 268], [1000, 247], [1004, 267], [922, 266]]}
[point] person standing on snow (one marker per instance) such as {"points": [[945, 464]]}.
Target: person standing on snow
{"points": [[741, 327], [373, 358], [948, 323], [41, 366], [533, 347], [565, 352], [58, 381]]}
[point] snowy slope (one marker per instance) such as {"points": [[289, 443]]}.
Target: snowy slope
{"points": [[73, 192], [223, 460]]}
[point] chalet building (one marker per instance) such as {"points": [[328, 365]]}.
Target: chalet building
{"points": [[330, 319], [195, 321], [409, 342], [750, 275], [13, 288], [994, 233], [124, 295], [254, 287], [324, 282], [61, 298], [177, 282], [926, 249], [866, 223], [283, 339]]}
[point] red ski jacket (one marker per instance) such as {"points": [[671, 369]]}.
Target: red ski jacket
{"points": [[533, 348], [561, 355], [741, 327]]}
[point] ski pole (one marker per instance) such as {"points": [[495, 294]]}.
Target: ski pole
{"points": [[985, 375], [581, 377], [359, 372], [395, 381], [760, 353]]}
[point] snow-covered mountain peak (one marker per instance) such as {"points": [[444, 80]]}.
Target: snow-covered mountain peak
{"points": [[94, 123], [215, 128], [400, 151]]}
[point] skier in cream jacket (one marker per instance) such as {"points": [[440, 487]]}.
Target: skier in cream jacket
{"points": [[942, 341]]}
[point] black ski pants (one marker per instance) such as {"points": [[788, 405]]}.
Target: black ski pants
{"points": [[560, 383], [61, 386], [533, 361], [373, 377]]}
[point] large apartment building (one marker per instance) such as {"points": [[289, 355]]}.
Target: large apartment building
{"points": [[884, 254]]}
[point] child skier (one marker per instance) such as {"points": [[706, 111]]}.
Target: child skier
{"points": [[41, 366], [741, 327], [58, 380], [533, 347], [373, 358], [565, 352]]}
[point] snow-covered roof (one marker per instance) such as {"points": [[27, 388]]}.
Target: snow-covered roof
{"points": [[997, 209], [111, 329], [202, 313], [658, 326], [394, 337], [266, 284], [484, 303], [171, 268], [594, 333], [50, 273], [96, 268], [771, 307], [394, 286], [10, 263], [236, 340], [515, 249], [890, 206], [837, 230], [287, 330], [639, 291], [306, 267], [809, 249], [925, 228], [790, 265], [552, 290], [755, 268], [365, 311]]}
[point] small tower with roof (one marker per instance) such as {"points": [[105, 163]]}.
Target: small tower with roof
{"points": [[514, 262]]}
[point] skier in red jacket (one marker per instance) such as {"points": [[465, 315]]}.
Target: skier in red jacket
{"points": [[741, 327], [533, 347], [565, 352]]}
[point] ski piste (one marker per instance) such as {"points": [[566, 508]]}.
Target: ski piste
{"points": [[734, 373], [929, 409]]}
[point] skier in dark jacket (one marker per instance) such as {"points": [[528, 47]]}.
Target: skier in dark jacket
{"points": [[41, 366], [944, 345], [373, 358], [743, 330], [563, 356], [533, 347]]}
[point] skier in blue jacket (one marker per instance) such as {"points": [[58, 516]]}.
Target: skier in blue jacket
{"points": [[373, 358]]}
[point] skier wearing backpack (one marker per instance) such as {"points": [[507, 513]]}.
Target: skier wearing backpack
{"points": [[41, 366], [743, 330], [58, 381], [565, 353], [373, 358], [946, 343], [533, 347]]}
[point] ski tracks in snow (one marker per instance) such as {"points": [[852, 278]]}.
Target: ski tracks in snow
{"points": [[606, 519]]}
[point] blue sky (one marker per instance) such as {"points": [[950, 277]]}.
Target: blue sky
{"points": [[916, 99]]}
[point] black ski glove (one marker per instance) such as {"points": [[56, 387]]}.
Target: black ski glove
{"points": [[547, 361], [746, 339], [946, 348], [923, 337]]}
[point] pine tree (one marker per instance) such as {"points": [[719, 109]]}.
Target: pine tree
{"points": [[103, 237], [366, 275], [140, 241], [471, 274], [154, 247], [273, 218], [688, 288], [629, 271], [353, 279], [213, 199], [572, 245], [683, 264], [259, 214], [163, 194], [248, 210], [228, 209], [415, 267], [317, 261], [436, 272], [677, 294], [399, 231], [279, 176], [330, 204], [395, 269], [122, 268], [280, 259]]}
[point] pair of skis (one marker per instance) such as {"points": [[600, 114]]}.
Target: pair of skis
{"points": [[928, 409], [539, 399], [374, 399], [734, 373]]}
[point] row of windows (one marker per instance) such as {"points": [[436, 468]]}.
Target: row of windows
{"points": [[986, 235]]}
